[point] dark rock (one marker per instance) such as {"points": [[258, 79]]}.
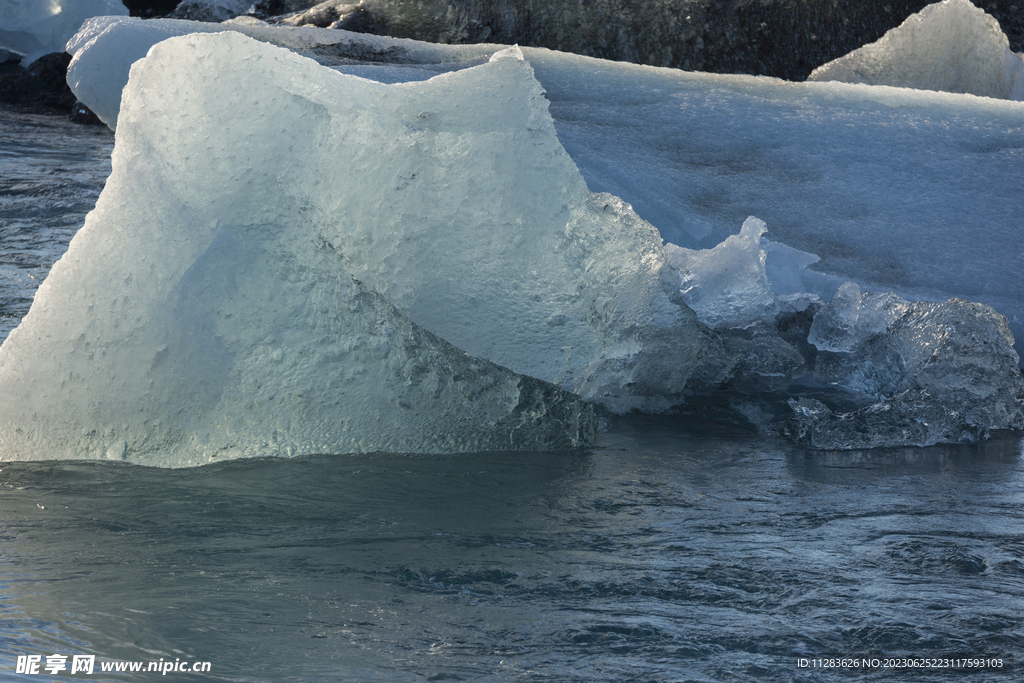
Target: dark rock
{"points": [[198, 10], [361, 21], [148, 9], [265, 9], [43, 87]]}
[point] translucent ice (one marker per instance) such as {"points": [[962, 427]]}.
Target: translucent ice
{"points": [[852, 317], [941, 373], [34, 28], [206, 311], [951, 46], [727, 286]]}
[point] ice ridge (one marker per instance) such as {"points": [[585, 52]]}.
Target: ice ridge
{"points": [[952, 46]]}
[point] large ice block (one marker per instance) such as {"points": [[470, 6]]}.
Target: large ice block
{"points": [[207, 309]]}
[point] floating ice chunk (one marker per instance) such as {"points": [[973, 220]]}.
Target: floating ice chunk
{"points": [[34, 28], [942, 373], [834, 327], [727, 286], [951, 46], [205, 309], [794, 284]]}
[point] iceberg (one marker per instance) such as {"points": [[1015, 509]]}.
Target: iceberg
{"points": [[34, 28], [206, 310], [465, 199], [951, 46], [451, 197]]}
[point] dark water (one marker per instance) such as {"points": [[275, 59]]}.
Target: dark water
{"points": [[51, 173], [663, 554], [657, 556]]}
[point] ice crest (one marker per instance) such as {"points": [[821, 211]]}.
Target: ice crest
{"points": [[951, 46], [727, 286]]}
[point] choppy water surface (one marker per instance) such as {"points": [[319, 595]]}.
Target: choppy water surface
{"points": [[660, 555], [51, 172], [657, 556]]}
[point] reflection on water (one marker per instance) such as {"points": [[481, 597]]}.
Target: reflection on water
{"points": [[659, 556]]}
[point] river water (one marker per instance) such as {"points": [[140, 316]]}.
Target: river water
{"points": [[668, 552]]}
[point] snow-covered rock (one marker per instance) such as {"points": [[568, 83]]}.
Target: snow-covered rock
{"points": [[34, 28], [952, 46]]}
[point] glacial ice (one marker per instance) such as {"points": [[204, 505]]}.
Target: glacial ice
{"points": [[34, 28], [952, 46], [727, 286], [939, 373], [205, 310], [484, 217], [851, 173]]}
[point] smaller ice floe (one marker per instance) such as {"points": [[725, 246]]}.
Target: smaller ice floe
{"points": [[923, 373], [747, 279], [727, 286], [951, 46], [34, 28], [940, 373]]}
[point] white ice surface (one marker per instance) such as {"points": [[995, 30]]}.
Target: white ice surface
{"points": [[34, 28], [207, 308], [894, 189], [106, 48], [952, 46]]}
